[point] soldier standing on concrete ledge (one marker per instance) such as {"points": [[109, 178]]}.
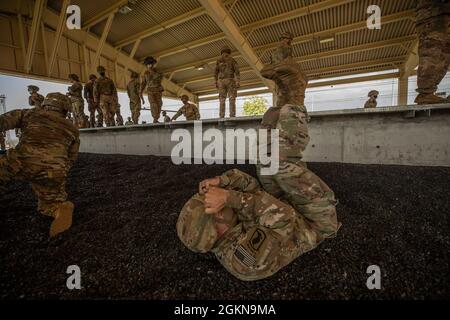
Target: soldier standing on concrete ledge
{"points": [[372, 102], [134, 93], [227, 78], [92, 106], [189, 110], [35, 99], [152, 81], [47, 149], [105, 94], [76, 97], [432, 23]]}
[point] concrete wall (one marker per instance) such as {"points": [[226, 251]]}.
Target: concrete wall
{"points": [[409, 135]]}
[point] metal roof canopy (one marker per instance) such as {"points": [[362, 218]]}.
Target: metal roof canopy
{"points": [[186, 37]]}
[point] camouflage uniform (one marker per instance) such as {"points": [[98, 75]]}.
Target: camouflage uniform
{"points": [[432, 23], [152, 81], [35, 99], [133, 90], [2, 141], [75, 94], [167, 118], [47, 149], [92, 106], [372, 102], [105, 93], [265, 234], [189, 110], [227, 77]]}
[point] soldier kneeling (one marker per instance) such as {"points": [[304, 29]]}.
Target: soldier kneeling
{"points": [[252, 233], [47, 149]]}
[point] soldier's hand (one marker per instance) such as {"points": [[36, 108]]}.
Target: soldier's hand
{"points": [[215, 200], [204, 186]]}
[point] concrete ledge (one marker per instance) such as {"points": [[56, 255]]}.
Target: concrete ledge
{"points": [[405, 135]]}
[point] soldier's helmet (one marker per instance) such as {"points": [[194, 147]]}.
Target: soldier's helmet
{"points": [[149, 60], [101, 69], [74, 77], [225, 49], [92, 77], [374, 93], [184, 97], [33, 88], [195, 228], [134, 75], [58, 100], [286, 35]]}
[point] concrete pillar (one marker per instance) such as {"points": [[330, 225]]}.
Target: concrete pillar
{"points": [[402, 89]]}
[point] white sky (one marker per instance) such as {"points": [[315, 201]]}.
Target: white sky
{"points": [[347, 96]]}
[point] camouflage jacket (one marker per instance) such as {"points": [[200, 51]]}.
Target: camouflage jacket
{"points": [[227, 69], [152, 81], [88, 92], [269, 233], [47, 141], [133, 90], [104, 86], [189, 110], [36, 100], [430, 9]]}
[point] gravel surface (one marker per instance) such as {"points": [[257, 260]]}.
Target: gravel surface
{"points": [[125, 243]]}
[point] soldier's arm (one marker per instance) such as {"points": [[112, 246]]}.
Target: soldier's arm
{"points": [[143, 86], [179, 113], [235, 179], [73, 151], [96, 92], [237, 73], [11, 120], [216, 71], [85, 92]]}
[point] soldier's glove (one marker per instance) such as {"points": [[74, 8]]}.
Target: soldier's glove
{"points": [[204, 186]]}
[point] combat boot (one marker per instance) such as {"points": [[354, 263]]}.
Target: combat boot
{"points": [[63, 218], [429, 98]]}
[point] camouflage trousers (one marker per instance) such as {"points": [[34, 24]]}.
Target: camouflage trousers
{"points": [[49, 186], [78, 113], [108, 105], [434, 54], [155, 99], [227, 87], [264, 240], [2, 141], [119, 119], [296, 185], [135, 108], [93, 107]]}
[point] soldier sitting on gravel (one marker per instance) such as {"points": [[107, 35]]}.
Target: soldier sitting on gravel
{"points": [[47, 149]]}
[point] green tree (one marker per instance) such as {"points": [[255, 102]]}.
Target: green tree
{"points": [[255, 106]]}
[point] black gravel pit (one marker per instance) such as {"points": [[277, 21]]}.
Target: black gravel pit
{"points": [[124, 239]]}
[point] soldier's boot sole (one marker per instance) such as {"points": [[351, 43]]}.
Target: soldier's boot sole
{"points": [[63, 218], [424, 98]]}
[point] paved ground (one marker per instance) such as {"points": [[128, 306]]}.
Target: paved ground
{"points": [[125, 243]]}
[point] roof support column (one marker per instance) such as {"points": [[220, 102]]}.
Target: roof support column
{"points": [[411, 62], [39, 6], [403, 89], [59, 32]]}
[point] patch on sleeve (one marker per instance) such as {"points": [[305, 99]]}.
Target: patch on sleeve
{"points": [[244, 256]]}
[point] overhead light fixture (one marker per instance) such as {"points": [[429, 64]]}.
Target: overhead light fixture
{"points": [[127, 8], [326, 40], [200, 67]]}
